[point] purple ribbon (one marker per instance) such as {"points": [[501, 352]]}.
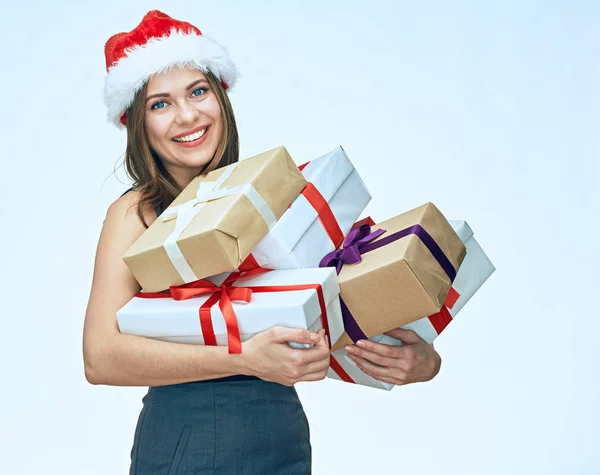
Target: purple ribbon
{"points": [[351, 249], [426, 238], [358, 243], [350, 324]]}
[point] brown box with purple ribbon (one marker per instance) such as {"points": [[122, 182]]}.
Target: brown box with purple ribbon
{"points": [[395, 272]]}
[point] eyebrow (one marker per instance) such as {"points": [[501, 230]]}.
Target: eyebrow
{"points": [[166, 94]]}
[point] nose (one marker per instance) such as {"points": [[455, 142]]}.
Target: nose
{"points": [[186, 113]]}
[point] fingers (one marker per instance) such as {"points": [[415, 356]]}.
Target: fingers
{"points": [[324, 342], [319, 351], [296, 335], [310, 364], [375, 355], [407, 336], [403, 357], [388, 375], [298, 364], [318, 366], [397, 380], [306, 356], [300, 370], [415, 369], [317, 370]]}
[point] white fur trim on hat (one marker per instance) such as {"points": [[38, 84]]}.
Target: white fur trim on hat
{"points": [[126, 77]]}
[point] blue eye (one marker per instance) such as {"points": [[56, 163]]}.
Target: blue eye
{"points": [[200, 91], [156, 105]]}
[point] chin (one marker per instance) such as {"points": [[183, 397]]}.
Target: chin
{"points": [[193, 159], [199, 160]]}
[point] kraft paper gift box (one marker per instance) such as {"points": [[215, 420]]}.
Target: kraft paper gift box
{"points": [[319, 218], [395, 273], [301, 298], [472, 274], [216, 221]]}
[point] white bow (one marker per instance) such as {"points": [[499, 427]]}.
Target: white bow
{"points": [[185, 213]]}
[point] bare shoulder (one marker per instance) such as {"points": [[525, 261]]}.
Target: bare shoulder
{"points": [[122, 226], [127, 201], [122, 215], [113, 284]]}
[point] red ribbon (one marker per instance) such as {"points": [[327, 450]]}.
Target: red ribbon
{"points": [[224, 294], [368, 220], [441, 319], [316, 200], [320, 296], [337, 368], [326, 216], [248, 264]]}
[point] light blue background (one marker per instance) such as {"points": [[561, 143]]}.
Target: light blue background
{"points": [[488, 109]]}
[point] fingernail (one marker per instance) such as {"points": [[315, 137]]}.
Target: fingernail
{"points": [[348, 349], [361, 343], [314, 337]]}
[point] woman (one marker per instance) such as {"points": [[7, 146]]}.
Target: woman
{"points": [[206, 410]]}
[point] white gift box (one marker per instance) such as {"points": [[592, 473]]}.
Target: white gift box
{"points": [[178, 320], [474, 271], [299, 239]]}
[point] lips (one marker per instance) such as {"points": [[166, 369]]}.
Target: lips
{"points": [[201, 135], [191, 132]]}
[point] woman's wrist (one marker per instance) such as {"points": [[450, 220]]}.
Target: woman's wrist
{"points": [[243, 363]]}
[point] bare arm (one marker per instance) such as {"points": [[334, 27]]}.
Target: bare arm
{"points": [[126, 360], [118, 359]]}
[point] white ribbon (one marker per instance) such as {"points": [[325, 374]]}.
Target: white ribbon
{"points": [[185, 213]]}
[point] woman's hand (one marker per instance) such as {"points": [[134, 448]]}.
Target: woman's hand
{"points": [[414, 361], [268, 356]]}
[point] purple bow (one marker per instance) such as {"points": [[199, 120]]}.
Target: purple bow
{"points": [[350, 253]]}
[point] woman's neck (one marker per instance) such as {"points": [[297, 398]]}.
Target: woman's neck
{"points": [[184, 176]]}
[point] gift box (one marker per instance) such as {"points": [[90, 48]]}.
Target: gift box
{"points": [[216, 221], [319, 218], [396, 273], [231, 308], [473, 272]]}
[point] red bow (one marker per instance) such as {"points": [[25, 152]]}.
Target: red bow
{"points": [[224, 294]]}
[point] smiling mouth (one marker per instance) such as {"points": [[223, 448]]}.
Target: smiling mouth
{"points": [[192, 137]]}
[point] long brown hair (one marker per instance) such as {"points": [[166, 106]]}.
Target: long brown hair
{"points": [[143, 166]]}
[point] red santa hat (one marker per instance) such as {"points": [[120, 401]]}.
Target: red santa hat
{"points": [[157, 44]]}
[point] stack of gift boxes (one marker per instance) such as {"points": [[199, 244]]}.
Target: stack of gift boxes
{"points": [[262, 243]]}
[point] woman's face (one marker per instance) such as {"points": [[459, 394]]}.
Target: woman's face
{"points": [[183, 121]]}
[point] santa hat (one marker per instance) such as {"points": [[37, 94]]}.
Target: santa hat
{"points": [[157, 44]]}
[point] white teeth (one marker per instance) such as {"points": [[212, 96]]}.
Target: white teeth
{"points": [[189, 138]]}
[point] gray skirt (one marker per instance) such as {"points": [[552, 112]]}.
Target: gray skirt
{"points": [[239, 425]]}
